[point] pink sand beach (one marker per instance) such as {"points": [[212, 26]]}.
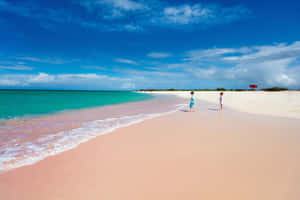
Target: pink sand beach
{"points": [[206, 154]]}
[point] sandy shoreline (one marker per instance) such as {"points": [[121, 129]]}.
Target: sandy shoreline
{"points": [[27, 141], [280, 104], [201, 155]]}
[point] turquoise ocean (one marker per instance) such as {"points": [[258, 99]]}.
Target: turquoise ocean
{"points": [[23, 103], [35, 124]]}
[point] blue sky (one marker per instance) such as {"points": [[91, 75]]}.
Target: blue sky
{"points": [[133, 44]]}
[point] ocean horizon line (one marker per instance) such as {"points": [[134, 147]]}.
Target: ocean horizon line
{"points": [[66, 90]]}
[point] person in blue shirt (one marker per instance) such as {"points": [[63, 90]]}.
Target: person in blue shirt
{"points": [[192, 109]]}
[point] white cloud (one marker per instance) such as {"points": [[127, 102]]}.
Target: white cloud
{"points": [[157, 79], [205, 14], [7, 82], [126, 61], [265, 65], [94, 67], [66, 81], [116, 15], [151, 74], [270, 73], [186, 14], [271, 52], [271, 65], [17, 67], [209, 73], [128, 86], [29, 59], [56, 61], [130, 27], [41, 78], [158, 55], [124, 4], [208, 54], [113, 9], [119, 5], [231, 58]]}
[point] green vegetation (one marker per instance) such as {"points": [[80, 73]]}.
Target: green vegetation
{"points": [[274, 89]]}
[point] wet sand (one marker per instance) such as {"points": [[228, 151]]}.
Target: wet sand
{"points": [[27, 140], [202, 155]]}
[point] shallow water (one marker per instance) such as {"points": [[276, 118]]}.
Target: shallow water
{"points": [[22, 103], [24, 141]]}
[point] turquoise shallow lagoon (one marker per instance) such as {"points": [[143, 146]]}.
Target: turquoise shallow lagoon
{"points": [[22, 103]]}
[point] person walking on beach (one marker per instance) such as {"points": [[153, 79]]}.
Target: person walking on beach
{"points": [[192, 102], [221, 101]]}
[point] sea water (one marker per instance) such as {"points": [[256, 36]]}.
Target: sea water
{"points": [[38, 124], [20, 103]]}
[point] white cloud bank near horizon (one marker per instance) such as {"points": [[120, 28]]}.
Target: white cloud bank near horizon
{"points": [[269, 65], [66, 81], [266, 65]]}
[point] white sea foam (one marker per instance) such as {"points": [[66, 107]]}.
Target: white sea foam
{"points": [[34, 151]]}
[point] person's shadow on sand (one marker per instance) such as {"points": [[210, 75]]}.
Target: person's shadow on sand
{"points": [[210, 109], [184, 110], [213, 109]]}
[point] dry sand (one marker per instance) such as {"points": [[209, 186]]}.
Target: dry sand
{"points": [[281, 104], [203, 155]]}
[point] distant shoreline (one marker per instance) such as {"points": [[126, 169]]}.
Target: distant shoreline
{"points": [[280, 104], [275, 89], [154, 90]]}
